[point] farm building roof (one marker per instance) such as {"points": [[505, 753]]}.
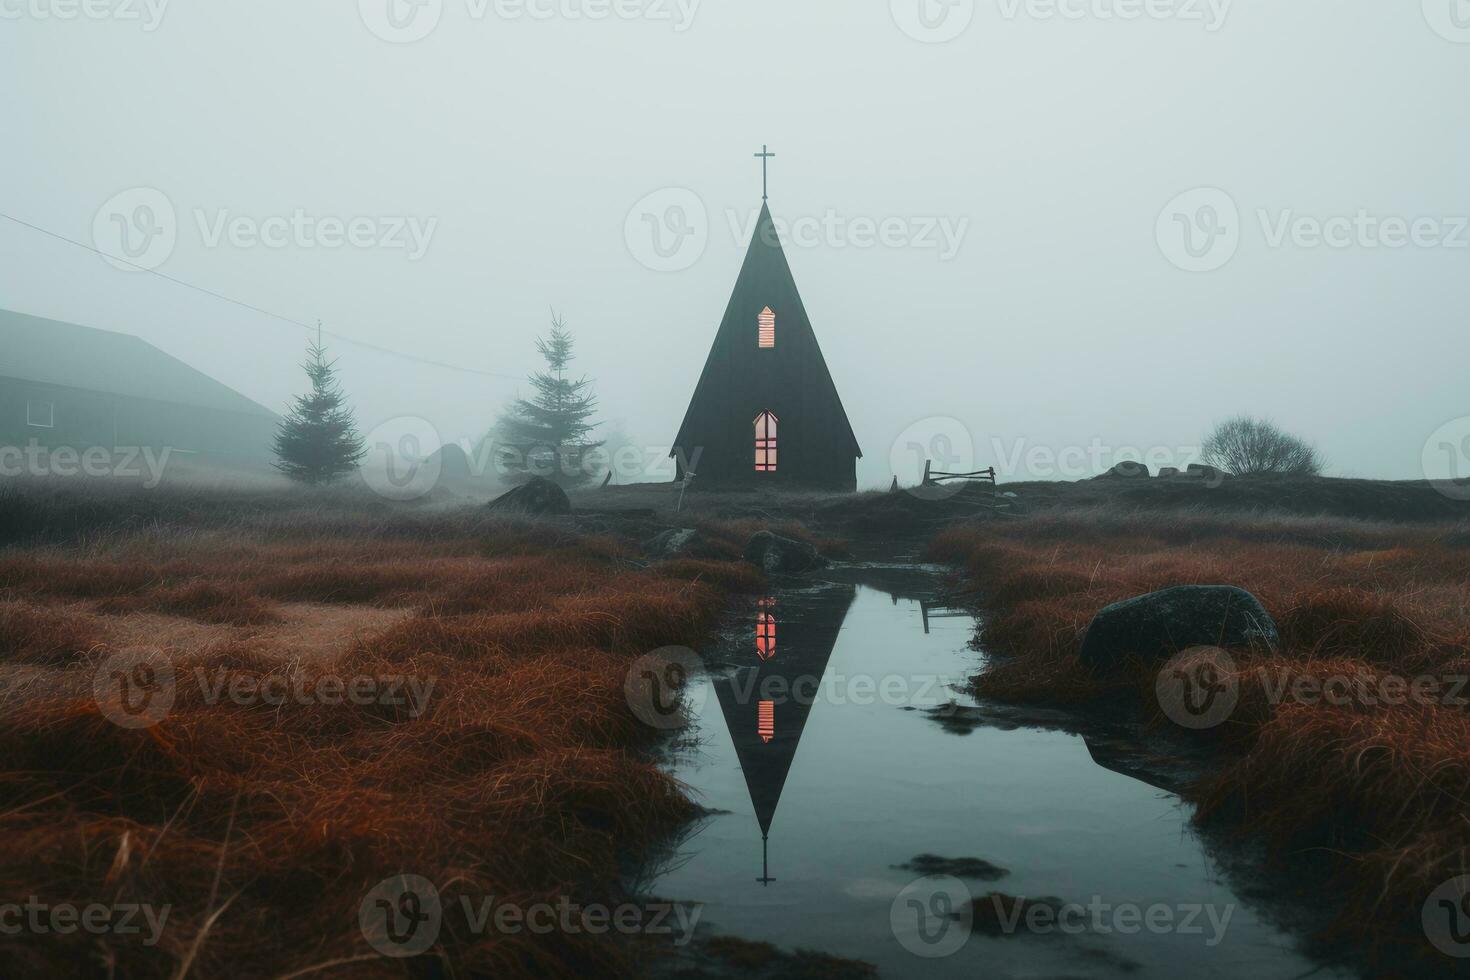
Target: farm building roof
{"points": [[52, 352]]}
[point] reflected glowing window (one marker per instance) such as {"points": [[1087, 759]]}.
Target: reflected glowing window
{"points": [[765, 443], [765, 631], [767, 331], [765, 724]]}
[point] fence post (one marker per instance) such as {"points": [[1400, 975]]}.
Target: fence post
{"points": [[684, 485]]}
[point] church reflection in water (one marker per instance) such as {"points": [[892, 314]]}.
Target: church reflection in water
{"points": [[769, 679], [767, 690]]}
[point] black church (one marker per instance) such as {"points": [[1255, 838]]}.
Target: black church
{"points": [[766, 411]]}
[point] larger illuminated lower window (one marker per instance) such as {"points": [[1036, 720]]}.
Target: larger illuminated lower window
{"points": [[765, 629], [765, 443]]}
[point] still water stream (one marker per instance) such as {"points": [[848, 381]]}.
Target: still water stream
{"points": [[819, 804]]}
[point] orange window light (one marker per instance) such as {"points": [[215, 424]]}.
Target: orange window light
{"points": [[765, 443], [765, 635]]}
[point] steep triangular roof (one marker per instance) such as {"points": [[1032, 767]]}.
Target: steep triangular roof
{"points": [[806, 633], [69, 355], [765, 279]]}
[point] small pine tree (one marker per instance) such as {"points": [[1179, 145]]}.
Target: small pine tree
{"points": [[317, 441], [546, 435]]}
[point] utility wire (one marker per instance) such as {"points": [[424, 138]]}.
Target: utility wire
{"points": [[261, 310]]}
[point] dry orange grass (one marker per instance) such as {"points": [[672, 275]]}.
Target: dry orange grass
{"points": [[1383, 786], [205, 601], [263, 824], [726, 538], [731, 576], [35, 634]]}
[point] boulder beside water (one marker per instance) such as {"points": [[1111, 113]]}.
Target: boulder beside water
{"points": [[1160, 624], [776, 554]]}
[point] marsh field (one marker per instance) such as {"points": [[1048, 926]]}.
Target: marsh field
{"points": [[244, 719]]}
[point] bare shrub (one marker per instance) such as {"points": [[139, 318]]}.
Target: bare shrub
{"points": [[1246, 446]]}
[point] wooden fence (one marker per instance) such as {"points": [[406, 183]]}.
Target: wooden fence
{"points": [[934, 478]]}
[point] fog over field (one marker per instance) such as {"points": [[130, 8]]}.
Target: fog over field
{"points": [[1065, 227]]}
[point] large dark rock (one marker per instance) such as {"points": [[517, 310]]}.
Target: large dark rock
{"points": [[539, 496], [1126, 470], [1206, 472], [777, 554], [1158, 625]]}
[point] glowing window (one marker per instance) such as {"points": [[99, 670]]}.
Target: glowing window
{"points": [[765, 630], [765, 724], [765, 443], [767, 332]]}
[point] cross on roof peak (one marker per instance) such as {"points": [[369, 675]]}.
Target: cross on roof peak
{"points": [[764, 156]]}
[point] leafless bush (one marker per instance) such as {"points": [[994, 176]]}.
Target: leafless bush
{"points": [[1245, 446]]}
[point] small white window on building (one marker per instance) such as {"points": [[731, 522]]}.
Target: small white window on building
{"points": [[41, 414]]}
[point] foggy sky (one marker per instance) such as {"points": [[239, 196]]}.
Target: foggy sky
{"points": [[524, 137]]}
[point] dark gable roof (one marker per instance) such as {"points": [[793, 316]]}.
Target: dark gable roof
{"points": [[33, 348], [764, 273]]}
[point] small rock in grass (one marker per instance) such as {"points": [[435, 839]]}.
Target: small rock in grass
{"points": [[539, 496], [777, 554]]}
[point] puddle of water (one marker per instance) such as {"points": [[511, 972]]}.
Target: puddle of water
{"points": [[846, 785]]}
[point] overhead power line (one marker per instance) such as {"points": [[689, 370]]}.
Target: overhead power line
{"points": [[259, 309]]}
